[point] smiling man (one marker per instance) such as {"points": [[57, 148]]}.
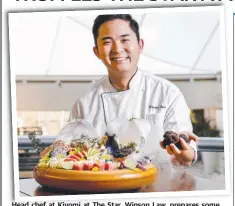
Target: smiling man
{"points": [[128, 92], [119, 47]]}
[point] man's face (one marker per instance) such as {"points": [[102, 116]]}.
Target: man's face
{"points": [[118, 47]]}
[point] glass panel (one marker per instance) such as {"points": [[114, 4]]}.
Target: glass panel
{"points": [[46, 123]]}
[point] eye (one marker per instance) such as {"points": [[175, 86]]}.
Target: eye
{"points": [[106, 42], [125, 40]]}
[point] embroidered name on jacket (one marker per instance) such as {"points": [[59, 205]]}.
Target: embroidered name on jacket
{"points": [[156, 107]]}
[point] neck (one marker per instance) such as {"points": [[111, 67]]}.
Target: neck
{"points": [[121, 82]]}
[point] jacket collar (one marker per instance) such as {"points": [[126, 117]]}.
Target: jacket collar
{"points": [[135, 81]]}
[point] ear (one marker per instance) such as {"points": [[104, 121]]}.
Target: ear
{"points": [[96, 52], [141, 45]]}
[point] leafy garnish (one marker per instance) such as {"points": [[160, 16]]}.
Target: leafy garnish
{"points": [[36, 142]]}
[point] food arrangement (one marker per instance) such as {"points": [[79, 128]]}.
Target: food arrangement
{"points": [[82, 160], [94, 154]]}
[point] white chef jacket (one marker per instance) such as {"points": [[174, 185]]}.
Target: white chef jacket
{"points": [[148, 97]]}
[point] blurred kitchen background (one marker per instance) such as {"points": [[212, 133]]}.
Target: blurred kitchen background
{"points": [[53, 62]]}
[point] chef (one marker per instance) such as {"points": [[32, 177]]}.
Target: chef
{"points": [[128, 92]]}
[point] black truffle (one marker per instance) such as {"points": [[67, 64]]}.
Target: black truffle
{"points": [[170, 138], [173, 138]]}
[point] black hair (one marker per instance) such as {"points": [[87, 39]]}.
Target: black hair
{"points": [[104, 18]]}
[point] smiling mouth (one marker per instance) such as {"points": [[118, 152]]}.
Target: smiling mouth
{"points": [[119, 59]]}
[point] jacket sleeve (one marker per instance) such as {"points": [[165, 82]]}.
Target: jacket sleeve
{"points": [[177, 118]]}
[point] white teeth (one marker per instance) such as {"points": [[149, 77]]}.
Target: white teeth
{"points": [[119, 58]]}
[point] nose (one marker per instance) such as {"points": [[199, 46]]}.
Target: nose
{"points": [[117, 47]]}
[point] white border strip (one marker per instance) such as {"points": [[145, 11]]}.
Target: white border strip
{"points": [[128, 195]]}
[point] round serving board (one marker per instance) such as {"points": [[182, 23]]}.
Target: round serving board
{"points": [[90, 181]]}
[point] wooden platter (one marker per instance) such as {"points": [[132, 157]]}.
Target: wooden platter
{"points": [[89, 181]]}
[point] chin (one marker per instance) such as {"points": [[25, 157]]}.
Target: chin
{"points": [[122, 69]]}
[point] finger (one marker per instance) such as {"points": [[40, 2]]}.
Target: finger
{"points": [[161, 144], [175, 150], [169, 151], [184, 145], [192, 136]]}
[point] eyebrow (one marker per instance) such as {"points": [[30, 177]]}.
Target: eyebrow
{"points": [[107, 37]]}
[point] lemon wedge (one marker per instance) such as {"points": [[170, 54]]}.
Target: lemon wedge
{"points": [[67, 165], [92, 152], [59, 156]]}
